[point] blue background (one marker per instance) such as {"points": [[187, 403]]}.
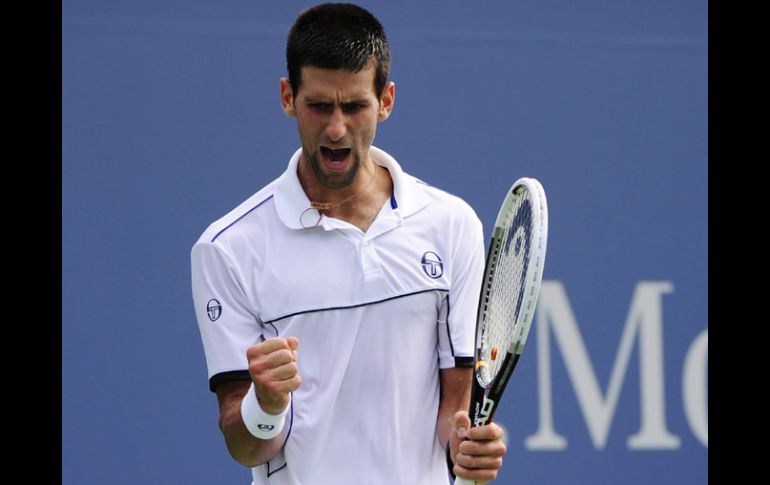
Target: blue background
{"points": [[170, 118]]}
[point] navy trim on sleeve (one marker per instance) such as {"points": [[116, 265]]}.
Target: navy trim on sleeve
{"points": [[463, 361], [236, 375]]}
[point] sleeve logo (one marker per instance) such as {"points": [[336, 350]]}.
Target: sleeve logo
{"points": [[214, 309]]}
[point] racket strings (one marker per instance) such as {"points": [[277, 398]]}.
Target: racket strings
{"points": [[506, 286]]}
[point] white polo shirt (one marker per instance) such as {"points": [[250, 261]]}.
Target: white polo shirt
{"points": [[377, 314]]}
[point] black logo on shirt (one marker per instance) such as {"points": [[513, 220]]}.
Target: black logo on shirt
{"points": [[214, 309], [432, 265]]}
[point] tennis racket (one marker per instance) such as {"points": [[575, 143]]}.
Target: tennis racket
{"points": [[509, 291]]}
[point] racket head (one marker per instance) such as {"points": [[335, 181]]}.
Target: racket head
{"points": [[511, 285]]}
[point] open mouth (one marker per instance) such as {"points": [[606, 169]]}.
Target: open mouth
{"points": [[335, 157]]}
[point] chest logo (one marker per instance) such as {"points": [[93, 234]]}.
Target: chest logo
{"points": [[214, 309], [432, 265]]}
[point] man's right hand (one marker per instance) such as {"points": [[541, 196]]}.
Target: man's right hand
{"points": [[273, 369]]}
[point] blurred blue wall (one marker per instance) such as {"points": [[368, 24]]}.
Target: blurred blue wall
{"points": [[170, 118]]}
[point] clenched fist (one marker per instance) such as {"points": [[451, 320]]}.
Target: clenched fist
{"points": [[273, 369]]}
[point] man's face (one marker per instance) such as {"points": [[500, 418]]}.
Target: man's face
{"points": [[337, 113]]}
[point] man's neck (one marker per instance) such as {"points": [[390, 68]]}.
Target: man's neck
{"points": [[357, 204]]}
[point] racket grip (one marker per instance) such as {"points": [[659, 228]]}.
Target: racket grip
{"points": [[465, 481]]}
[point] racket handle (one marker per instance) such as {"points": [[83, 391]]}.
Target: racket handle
{"points": [[465, 481]]}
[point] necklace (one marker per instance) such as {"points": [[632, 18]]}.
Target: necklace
{"points": [[326, 206]]}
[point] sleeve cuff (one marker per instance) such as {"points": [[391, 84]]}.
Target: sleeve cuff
{"points": [[450, 361], [236, 375]]}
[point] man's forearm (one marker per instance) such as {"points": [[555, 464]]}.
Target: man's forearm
{"points": [[455, 396], [242, 445]]}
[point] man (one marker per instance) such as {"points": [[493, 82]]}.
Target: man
{"points": [[337, 305]]}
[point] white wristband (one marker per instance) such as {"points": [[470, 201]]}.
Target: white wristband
{"points": [[259, 423]]}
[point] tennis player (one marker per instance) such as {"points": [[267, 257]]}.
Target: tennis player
{"points": [[337, 305]]}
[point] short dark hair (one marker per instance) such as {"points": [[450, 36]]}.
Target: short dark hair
{"points": [[337, 36]]}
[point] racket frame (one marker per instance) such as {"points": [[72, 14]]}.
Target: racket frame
{"points": [[485, 399]]}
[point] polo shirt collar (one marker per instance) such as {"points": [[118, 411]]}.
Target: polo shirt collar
{"points": [[408, 196]]}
